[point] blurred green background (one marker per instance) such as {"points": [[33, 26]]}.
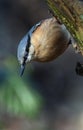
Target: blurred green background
{"points": [[49, 96]]}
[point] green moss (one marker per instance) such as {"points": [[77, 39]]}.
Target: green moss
{"points": [[69, 18]]}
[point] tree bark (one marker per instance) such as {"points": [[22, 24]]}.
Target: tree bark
{"points": [[70, 13]]}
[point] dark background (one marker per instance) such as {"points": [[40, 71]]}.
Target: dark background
{"points": [[56, 82]]}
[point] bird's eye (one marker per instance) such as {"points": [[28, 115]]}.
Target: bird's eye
{"points": [[24, 59]]}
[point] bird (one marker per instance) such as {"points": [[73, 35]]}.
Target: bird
{"points": [[44, 42]]}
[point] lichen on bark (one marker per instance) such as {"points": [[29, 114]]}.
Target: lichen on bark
{"points": [[70, 13]]}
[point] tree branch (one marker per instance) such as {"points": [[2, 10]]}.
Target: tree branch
{"points": [[70, 13]]}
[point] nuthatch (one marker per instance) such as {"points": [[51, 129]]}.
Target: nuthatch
{"points": [[44, 42]]}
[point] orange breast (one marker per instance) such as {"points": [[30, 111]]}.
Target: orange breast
{"points": [[49, 40]]}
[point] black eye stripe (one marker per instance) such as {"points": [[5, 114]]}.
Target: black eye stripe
{"points": [[24, 61], [28, 42], [27, 50], [29, 36]]}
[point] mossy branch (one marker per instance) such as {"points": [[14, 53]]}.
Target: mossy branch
{"points": [[70, 13]]}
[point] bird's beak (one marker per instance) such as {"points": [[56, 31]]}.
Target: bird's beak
{"points": [[22, 69]]}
